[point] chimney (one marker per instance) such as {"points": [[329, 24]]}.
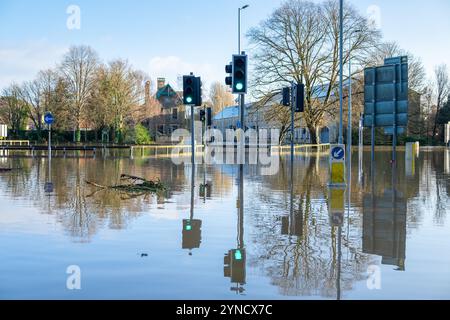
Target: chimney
{"points": [[161, 82], [147, 92]]}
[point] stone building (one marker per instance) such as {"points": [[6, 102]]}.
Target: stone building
{"points": [[168, 114]]}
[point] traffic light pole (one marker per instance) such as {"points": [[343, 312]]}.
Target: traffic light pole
{"points": [[192, 135], [242, 113]]}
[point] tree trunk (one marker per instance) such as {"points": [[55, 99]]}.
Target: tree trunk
{"points": [[313, 135]]}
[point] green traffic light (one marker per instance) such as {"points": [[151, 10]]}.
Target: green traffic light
{"points": [[189, 99], [239, 86], [188, 228], [238, 255]]}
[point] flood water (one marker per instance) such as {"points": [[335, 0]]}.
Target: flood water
{"points": [[393, 241]]}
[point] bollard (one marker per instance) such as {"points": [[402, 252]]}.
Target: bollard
{"points": [[337, 165], [410, 156]]}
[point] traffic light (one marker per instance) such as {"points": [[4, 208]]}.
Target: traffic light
{"points": [[229, 79], [208, 117], [286, 97], [239, 83], [198, 92], [192, 90], [202, 115], [192, 234], [298, 97], [188, 89], [234, 265]]}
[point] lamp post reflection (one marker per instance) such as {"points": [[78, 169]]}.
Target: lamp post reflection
{"points": [[235, 259]]}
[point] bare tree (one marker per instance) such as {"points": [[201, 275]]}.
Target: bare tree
{"points": [[78, 67], [428, 106], [442, 91], [220, 97], [300, 42], [13, 110], [32, 94], [117, 96], [416, 70]]}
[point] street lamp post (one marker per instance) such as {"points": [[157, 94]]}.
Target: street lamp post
{"points": [[349, 125], [239, 26], [341, 71], [241, 96]]}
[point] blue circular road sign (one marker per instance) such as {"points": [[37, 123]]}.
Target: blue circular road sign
{"points": [[48, 118], [338, 153]]}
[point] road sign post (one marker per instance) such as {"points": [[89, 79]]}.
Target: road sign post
{"points": [[386, 99], [337, 165], [49, 120]]}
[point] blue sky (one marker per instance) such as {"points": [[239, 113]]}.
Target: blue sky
{"points": [[154, 35]]}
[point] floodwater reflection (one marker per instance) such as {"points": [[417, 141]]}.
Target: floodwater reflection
{"points": [[242, 233]]}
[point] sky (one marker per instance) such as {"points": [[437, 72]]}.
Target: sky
{"points": [[172, 38]]}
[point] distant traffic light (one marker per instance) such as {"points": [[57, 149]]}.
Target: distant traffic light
{"points": [[239, 83], [229, 79], [286, 97], [294, 96], [299, 97], [192, 90], [198, 92], [202, 115], [208, 117]]}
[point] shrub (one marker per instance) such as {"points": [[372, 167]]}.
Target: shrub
{"points": [[142, 136]]}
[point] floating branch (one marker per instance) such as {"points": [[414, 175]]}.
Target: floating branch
{"points": [[134, 185]]}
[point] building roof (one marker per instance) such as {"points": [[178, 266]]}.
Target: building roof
{"points": [[167, 91], [231, 112]]}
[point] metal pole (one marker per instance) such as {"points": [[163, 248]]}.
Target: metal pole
{"points": [[239, 30], [394, 136], [192, 135], [341, 78], [191, 216], [241, 208], [292, 124], [242, 110], [349, 125], [338, 277], [49, 141], [360, 150]]}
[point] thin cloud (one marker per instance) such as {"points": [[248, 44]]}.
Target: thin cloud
{"points": [[22, 62]]}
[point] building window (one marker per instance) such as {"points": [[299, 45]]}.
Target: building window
{"points": [[161, 129], [175, 113]]}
